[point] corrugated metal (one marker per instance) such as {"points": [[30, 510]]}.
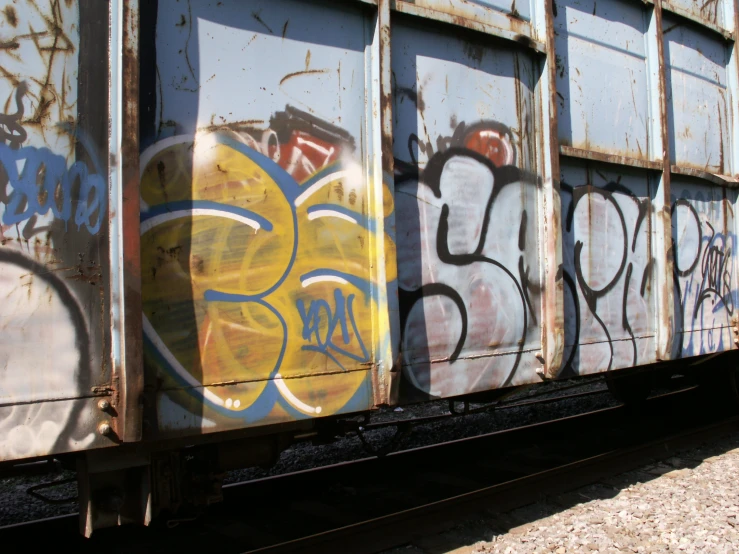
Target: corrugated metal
{"points": [[349, 204], [481, 223]]}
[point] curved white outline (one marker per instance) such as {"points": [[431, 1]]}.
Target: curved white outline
{"points": [[331, 213], [320, 184], [292, 399], [169, 216], [157, 147], [175, 364], [324, 278]]}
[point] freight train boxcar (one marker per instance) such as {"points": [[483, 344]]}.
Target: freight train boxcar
{"points": [[227, 223]]}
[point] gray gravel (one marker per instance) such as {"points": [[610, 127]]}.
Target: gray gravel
{"points": [[689, 503]]}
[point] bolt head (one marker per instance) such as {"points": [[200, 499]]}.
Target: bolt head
{"points": [[105, 428], [104, 404]]}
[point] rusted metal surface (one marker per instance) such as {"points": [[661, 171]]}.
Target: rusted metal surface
{"points": [[720, 180], [388, 370], [733, 78], [709, 15], [503, 275], [655, 317], [351, 204], [130, 369], [663, 242], [507, 25], [608, 158], [699, 123], [602, 77], [553, 331], [53, 227]]}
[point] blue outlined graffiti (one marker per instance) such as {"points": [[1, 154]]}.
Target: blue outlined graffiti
{"points": [[34, 181], [323, 335], [39, 181], [705, 293], [309, 290]]}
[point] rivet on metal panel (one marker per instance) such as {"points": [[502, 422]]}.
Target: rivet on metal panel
{"points": [[104, 405], [105, 429]]}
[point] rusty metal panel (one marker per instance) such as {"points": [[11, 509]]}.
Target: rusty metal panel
{"points": [[262, 213], [711, 12], [699, 113], [661, 235], [608, 268], [510, 21], [467, 213], [733, 86], [476, 9], [387, 375], [55, 348], [602, 76], [705, 246]]}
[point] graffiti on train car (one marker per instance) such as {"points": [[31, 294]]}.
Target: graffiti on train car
{"points": [[454, 217], [50, 207], [608, 272], [45, 183], [704, 247], [255, 257], [607, 275]]}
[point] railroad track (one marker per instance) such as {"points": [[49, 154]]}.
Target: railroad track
{"points": [[376, 503]]}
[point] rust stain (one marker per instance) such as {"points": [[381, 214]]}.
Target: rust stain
{"points": [[474, 51], [720, 142], [256, 16], [387, 142], [11, 16], [619, 159], [514, 12], [242, 125], [197, 265], [162, 179], [526, 41], [299, 73], [339, 190]]}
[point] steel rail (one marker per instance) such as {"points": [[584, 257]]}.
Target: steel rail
{"points": [[251, 507], [400, 527]]}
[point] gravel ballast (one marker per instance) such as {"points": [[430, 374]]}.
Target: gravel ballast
{"points": [[688, 503]]}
